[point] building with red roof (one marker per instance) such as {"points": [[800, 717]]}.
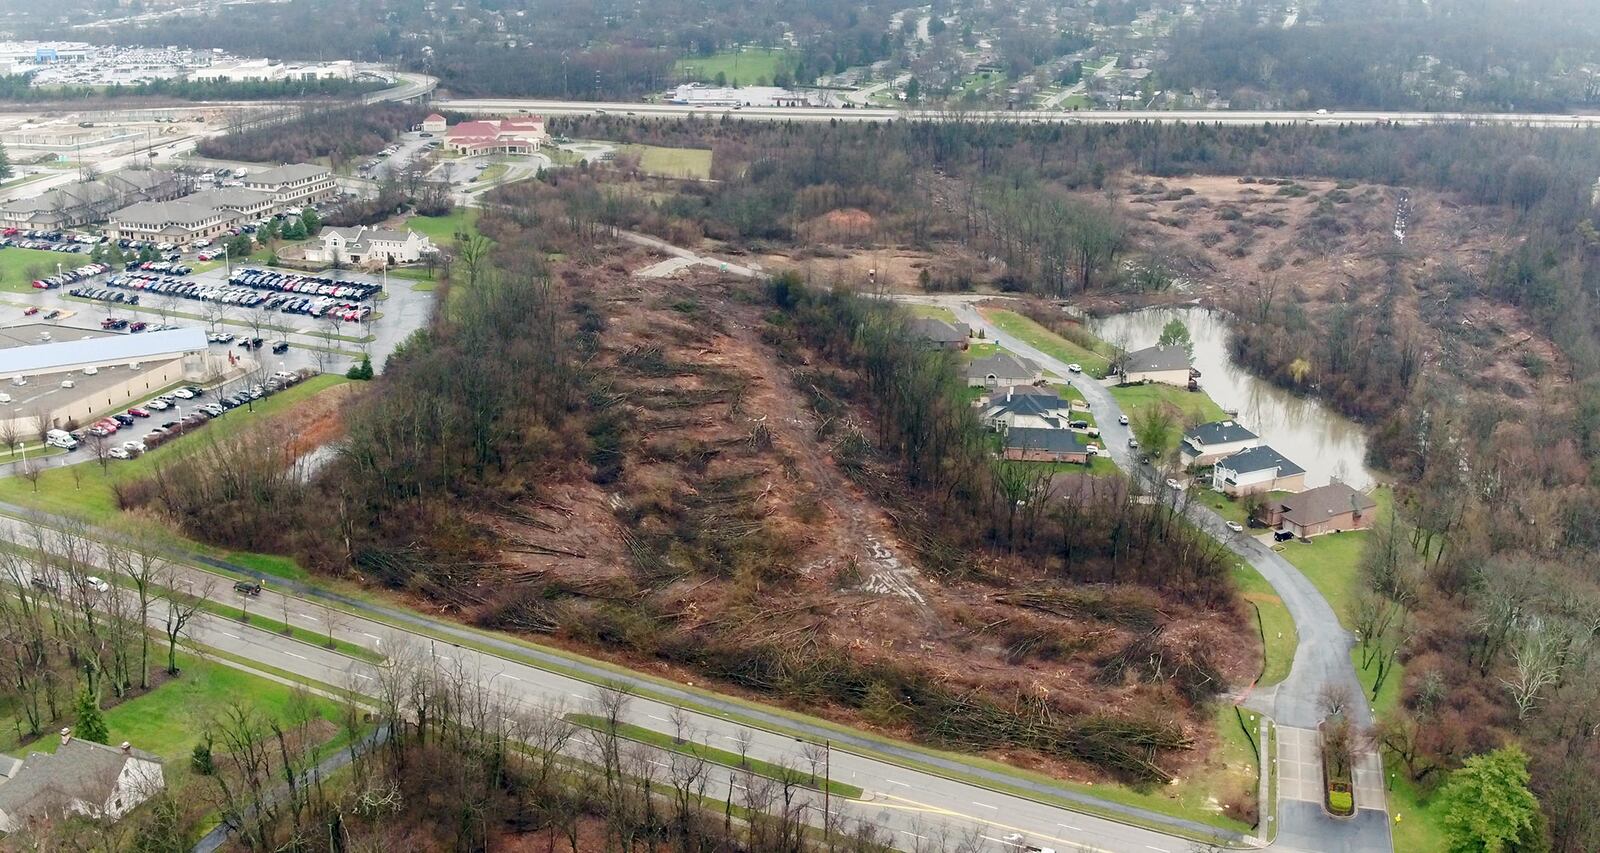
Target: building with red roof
{"points": [[434, 123], [516, 135]]}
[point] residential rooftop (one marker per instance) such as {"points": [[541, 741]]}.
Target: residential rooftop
{"points": [[1261, 458]]}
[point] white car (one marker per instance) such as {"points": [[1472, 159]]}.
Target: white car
{"points": [[96, 584], [1075, 367], [119, 453], [1133, 443], [1122, 419], [134, 447], [183, 393], [1236, 527], [1174, 485]]}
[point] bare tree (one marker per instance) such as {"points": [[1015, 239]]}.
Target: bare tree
{"points": [[100, 447], [31, 471], [183, 601], [9, 434], [1539, 652], [332, 621]]}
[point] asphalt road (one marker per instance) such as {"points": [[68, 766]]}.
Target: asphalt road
{"points": [[910, 803], [1244, 117], [1322, 656]]}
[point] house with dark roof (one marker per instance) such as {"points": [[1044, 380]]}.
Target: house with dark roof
{"points": [[295, 184], [1168, 365], [80, 778], [1029, 444], [1000, 369], [941, 333], [1036, 411], [89, 201], [1259, 469], [1207, 443], [1325, 509]]}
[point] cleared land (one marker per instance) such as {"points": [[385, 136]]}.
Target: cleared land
{"points": [[443, 230], [671, 162], [1195, 406]]}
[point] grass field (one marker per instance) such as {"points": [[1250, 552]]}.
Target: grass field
{"points": [[671, 162], [94, 500], [169, 720], [748, 67], [931, 312], [442, 230], [718, 756], [1194, 405], [1420, 818], [17, 266], [1276, 623], [1095, 364]]}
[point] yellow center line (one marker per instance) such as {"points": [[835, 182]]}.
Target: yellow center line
{"points": [[916, 806]]}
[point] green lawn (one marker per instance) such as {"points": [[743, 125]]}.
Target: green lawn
{"points": [[931, 312], [1096, 364], [976, 350], [1419, 825], [267, 564], [94, 499], [1194, 405], [748, 67], [1229, 508], [494, 173], [442, 230], [671, 162], [19, 267], [800, 775], [1276, 623], [168, 721]]}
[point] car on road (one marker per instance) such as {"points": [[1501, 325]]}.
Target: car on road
{"points": [[1122, 419], [96, 584], [1236, 527], [1075, 367], [32, 310], [1133, 443], [251, 588], [1174, 485]]}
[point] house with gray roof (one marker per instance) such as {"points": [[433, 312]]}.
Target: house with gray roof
{"points": [[89, 201], [1259, 469], [295, 184], [941, 333], [80, 778], [1030, 444], [1207, 443], [1013, 411], [177, 222], [363, 245], [1002, 368], [1168, 365]]}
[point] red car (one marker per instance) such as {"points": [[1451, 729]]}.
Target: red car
{"points": [[32, 310], [38, 283], [138, 412]]}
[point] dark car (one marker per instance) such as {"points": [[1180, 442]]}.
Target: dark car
{"points": [[248, 587], [1282, 535], [280, 347]]}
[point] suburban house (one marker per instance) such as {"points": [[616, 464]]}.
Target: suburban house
{"points": [[434, 123], [1207, 443], [1029, 444], [1012, 410], [519, 135], [90, 201], [1168, 365], [1002, 368], [294, 185], [941, 333], [1259, 469], [361, 245], [1325, 509], [176, 222], [80, 778]]}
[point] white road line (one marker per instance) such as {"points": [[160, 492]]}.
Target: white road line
{"points": [[363, 677], [910, 833], [1157, 849], [897, 782], [985, 805], [510, 676], [304, 616], [660, 719], [373, 636], [235, 636], [1073, 828], [293, 655]]}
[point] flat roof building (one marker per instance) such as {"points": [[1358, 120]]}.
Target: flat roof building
{"points": [[36, 359]]}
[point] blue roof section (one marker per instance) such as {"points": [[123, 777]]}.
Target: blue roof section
{"points": [[113, 349], [1261, 458]]}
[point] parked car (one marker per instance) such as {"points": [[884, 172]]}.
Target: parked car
{"points": [[1174, 485], [1236, 527], [1122, 419], [1075, 367], [1282, 535]]}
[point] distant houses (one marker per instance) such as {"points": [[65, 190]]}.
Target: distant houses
{"points": [[1326, 509], [1259, 469], [1168, 365], [1209, 443], [1002, 369]]}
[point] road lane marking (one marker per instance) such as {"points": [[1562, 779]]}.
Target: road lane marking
{"points": [[985, 805], [1072, 828], [1157, 849], [654, 717], [510, 676], [897, 782], [293, 655], [363, 677], [912, 834], [235, 636]]}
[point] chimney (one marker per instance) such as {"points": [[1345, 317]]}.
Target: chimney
{"points": [[66, 735], [1009, 389], [127, 748]]}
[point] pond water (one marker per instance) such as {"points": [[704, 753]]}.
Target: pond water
{"points": [[1314, 436]]}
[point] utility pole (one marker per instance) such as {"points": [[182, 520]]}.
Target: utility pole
{"points": [[827, 786]]}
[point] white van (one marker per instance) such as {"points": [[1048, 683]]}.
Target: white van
{"points": [[60, 438], [90, 371]]}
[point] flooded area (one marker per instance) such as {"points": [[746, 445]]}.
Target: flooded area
{"points": [[1314, 436]]}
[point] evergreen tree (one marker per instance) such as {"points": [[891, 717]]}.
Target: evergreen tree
{"points": [[5, 164], [1488, 808], [91, 722]]}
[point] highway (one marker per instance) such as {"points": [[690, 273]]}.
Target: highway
{"points": [[1224, 117], [910, 801]]}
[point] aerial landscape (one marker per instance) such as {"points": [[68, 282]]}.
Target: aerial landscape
{"points": [[979, 427]]}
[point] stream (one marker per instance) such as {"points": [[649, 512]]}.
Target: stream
{"points": [[1314, 436]]}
